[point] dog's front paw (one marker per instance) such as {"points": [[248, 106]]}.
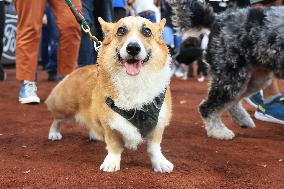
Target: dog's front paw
{"points": [[222, 133], [111, 163], [54, 136], [162, 165]]}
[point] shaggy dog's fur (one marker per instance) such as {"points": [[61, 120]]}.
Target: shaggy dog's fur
{"points": [[245, 50]]}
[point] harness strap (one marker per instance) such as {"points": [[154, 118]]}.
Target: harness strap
{"points": [[144, 119]]}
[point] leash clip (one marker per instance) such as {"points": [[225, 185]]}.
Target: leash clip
{"points": [[97, 45]]}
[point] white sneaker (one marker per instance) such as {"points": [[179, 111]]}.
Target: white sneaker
{"points": [[27, 93]]}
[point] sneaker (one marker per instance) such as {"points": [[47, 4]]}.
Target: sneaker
{"points": [[271, 112], [3, 74], [255, 100], [27, 93]]}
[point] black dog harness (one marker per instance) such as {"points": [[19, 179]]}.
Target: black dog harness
{"points": [[146, 118]]}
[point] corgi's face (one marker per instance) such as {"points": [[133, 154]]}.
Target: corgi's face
{"points": [[133, 44]]}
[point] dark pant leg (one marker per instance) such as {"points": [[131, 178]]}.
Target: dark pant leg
{"points": [[87, 50], [150, 15], [103, 9], [119, 13], [53, 37]]}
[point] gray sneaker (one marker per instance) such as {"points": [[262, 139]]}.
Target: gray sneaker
{"points": [[27, 93]]}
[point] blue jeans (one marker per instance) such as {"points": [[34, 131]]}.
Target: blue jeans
{"points": [[150, 15], [93, 9], [50, 37], [172, 40], [87, 51]]}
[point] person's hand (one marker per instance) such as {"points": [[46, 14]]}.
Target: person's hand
{"points": [[44, 19], [129, 2]]}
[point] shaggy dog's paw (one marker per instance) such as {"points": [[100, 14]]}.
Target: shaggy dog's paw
{"points": [[222, 133], [247, 123], [54, 136], [162, 165], [111, 163]]}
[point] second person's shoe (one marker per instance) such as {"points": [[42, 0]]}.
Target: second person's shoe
{"points": [[271, 112]]}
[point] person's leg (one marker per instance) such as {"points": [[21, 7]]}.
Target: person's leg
{"points": [[150, 15], [87, 51], [271, 90], [43, 54], [2, 24], [168, 36], [70, 36], [119, 13], [102, 9], [30, 13], [53, 36]]}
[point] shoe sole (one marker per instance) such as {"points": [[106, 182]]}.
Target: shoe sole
{"points": [[29, 100], [267, 118], [251, 103]]}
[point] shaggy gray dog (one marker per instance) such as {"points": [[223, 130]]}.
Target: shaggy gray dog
{"points": [[245, 50]]}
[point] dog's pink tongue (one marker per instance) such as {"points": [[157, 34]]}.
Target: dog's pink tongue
{"points": [[134, 68]]}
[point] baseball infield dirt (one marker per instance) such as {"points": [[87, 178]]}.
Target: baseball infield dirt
{"points": [[254, 159]]}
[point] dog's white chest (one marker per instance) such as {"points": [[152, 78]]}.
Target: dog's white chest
{"points": [[131, 136]]}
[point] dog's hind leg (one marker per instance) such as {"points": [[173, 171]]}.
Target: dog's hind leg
{"points": [[54, 131], [215, 128], [224, 92], [240, 115]]}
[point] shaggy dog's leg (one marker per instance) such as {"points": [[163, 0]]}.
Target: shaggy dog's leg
{"points": [[240, 115], [159, 162], [223, 93], [54, 131], [114, 146], [216, 129]]}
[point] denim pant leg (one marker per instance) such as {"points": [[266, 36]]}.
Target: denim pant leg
{"points": [[53, 39], [151, 15], [177, 40], [86, 51], [168, 36], [103, 9]]}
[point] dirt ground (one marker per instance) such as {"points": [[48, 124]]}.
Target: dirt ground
{"points": [[254, 159]]}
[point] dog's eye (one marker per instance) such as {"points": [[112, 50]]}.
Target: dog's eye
{"points": [[146, 32], [121, 31]]}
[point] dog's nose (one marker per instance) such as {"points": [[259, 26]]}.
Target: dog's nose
{"points": [[133, 49]]}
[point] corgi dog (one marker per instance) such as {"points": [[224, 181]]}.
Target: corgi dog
{"points": [[125, 99]]}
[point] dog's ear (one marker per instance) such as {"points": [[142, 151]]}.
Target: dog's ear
{"points": [[161, 26], [162, 23], [107, 29]]}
